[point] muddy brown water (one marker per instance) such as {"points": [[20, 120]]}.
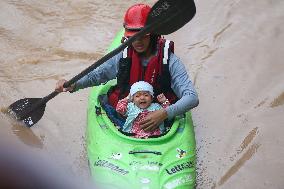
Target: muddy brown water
{"points": [[232, 49]]}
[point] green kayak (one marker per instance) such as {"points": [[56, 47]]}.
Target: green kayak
{"points": [[121, 162]]}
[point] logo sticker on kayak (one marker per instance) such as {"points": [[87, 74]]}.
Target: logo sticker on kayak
{"points": [[116, 156], [145, 180], [181, 153], [111, 166], [179, 181], [145, 166], [180, 167]]}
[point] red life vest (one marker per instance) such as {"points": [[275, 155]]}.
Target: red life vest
{"points": [[156, 73]]}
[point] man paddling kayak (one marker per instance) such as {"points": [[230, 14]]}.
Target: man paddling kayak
{"points": [[149, 58]]}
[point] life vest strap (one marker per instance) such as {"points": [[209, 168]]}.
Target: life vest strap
{"points": [[166, 52]]}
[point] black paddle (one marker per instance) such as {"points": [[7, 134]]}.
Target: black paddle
{"points": [[166, 16]]}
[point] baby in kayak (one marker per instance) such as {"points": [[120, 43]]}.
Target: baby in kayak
{"points": [[137, 105]]}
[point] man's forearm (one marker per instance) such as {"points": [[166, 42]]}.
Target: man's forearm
{"points": [[183, 105]]}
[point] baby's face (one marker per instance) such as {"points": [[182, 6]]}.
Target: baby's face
{"points": [[142, 99]]}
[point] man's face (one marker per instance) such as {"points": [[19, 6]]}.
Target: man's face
{"points": [[141, 44]]}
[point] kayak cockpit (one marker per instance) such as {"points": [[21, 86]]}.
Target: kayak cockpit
{"points": [[119, 120]]}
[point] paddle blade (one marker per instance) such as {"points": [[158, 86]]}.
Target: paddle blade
{"points": [[171, 15], [28, 110]]}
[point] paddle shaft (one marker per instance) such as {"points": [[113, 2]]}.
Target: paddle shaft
{"points": [[67, 84], [144, 31]]}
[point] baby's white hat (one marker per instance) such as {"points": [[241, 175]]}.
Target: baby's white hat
{"points": [[141, 86]]}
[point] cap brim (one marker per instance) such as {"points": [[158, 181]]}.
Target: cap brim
{"points": [[129, 33]]}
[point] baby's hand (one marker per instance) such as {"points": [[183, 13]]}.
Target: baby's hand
{"points": [[128, 98], [161, 98]]}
